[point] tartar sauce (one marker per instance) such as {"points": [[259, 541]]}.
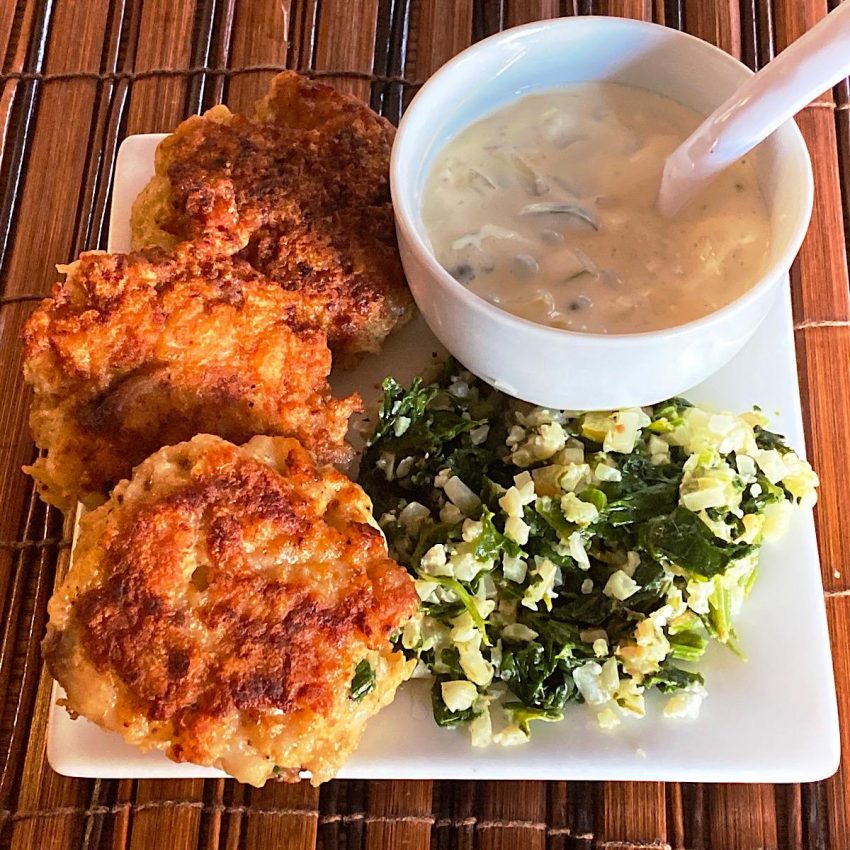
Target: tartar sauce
{"points": [[546, 208]]}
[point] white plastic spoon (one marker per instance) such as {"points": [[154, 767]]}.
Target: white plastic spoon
{"points": [[811, 65]]}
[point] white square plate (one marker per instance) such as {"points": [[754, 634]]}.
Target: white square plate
{"points": [[771, 719]]}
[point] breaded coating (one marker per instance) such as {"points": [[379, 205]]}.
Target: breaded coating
{"points": [[303, 189], [134, 352], [219, 604]]}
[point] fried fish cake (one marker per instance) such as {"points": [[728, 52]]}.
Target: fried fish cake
{"points": [[134, 352], [219, 605], [303, 190]]}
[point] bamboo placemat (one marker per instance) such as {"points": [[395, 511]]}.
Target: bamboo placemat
{"points": [[79, 76]]}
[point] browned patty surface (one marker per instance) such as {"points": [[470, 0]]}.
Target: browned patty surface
{"points": [[133, 352], [303, 190], [219, 603]]}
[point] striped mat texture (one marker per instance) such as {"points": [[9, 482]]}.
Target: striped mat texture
{"points": [[78, 76]]}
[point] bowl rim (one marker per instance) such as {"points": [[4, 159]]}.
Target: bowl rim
{"points": [[402, 200]]}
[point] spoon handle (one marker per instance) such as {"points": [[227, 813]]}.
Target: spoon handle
{"points": [[812, 64]]}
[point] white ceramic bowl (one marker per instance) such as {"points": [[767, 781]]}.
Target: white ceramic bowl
{"points": [[560, 368]]}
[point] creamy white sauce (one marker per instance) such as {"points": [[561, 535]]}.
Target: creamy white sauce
{"points": [[547, 209]]}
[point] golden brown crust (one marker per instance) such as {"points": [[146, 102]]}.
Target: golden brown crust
{"points": [[219, 603], [137, 351], [303, 189], [295, 101]]}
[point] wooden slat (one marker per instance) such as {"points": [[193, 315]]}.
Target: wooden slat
{"points": [[511, 815], [302, 33], [790, 822], [842, 129], [8, 13], [443, 30], [356, 802], [558, 815], [662, 15], [60, 145], [121, 824], [583, 797], [212, 836], [676, 816], [639, 9], [742, 817], [285, 816], [234, 796], [18, 57], [166, 807], [210, 47], [689, 816], [342, 45], [823, 357], [394, 18], [104, 138], [454, 808], [794, 18], [259, 38], [329, 809], [25, 590], [671, 13], [632, 813], [838, 788], [17, 445], [399, 815], [718, 22], [157, 104], [525, 11], [820, 288], [757, 33], [42, 792]]}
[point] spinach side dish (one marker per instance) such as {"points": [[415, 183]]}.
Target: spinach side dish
{"points": [[571, 558]]}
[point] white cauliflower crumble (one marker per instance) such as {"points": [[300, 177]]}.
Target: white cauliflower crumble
{"points": [[620, 586]]}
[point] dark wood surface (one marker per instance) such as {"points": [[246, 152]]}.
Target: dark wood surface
{"points": [[79, 75]]}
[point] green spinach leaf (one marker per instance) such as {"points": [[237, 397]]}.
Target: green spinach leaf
{"points": [[522, 715], [682, 538], [443, 715], [490, 542], [670, 678], [363, 681], [769, 440]]}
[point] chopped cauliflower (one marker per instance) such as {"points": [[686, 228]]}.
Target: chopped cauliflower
{"points": [[577, 511], [597, 683], [607, 719], [685, 704], [517, 530], [458, 695], [620, 586]]}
